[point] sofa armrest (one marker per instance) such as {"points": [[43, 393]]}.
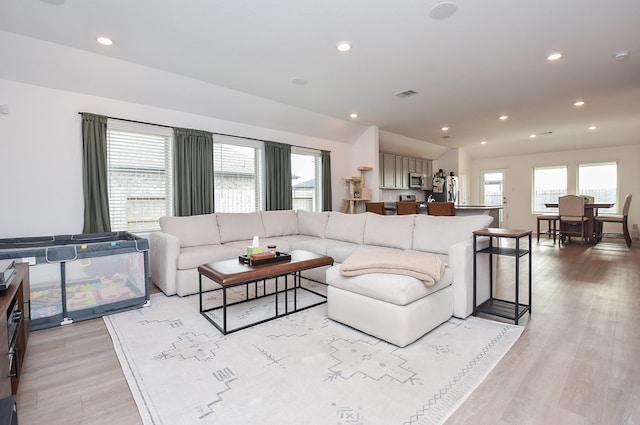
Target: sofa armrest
{"points": [[461, 264], [164, 249]]}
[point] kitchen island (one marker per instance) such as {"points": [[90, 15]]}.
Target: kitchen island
{"points": [[492, 210]]}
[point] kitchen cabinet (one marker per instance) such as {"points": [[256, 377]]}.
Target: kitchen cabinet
{"points": [[427, 171], [412, 164], [395, 170], [389, 170]]}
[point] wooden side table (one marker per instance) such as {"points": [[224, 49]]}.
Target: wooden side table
{"points": [[512, 310]]}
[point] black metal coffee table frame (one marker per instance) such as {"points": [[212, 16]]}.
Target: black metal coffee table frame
{"points": [[233, 274]]}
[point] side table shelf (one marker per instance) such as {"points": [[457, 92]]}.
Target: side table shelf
{"points": [[512, 310]]}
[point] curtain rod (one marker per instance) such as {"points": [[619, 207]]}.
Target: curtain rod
{"points": [[212, 132]]}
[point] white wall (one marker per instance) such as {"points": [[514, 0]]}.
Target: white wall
{"points": [[395, 143], [464, 173], [41, 151], [520, 177], [365, 153]]}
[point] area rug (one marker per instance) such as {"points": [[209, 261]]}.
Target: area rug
{"points": [[299, 369]]}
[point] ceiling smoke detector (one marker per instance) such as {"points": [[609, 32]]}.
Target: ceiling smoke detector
{"points": [[442, 10], [406, 93]]}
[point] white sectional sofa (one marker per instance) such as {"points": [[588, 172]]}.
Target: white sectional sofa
{"points": [[396, 308]]}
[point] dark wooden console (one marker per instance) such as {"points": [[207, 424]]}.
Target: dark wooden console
{"points": [[15, 322]]}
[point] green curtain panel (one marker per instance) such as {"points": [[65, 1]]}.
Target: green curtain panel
{"points": [[278, 176], [193, 172], [326, 181], [94, 174]]}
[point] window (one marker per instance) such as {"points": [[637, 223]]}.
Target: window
{"points": [[599, 181], [549, 183], [139, 175], [238, 174], [306, 175]]}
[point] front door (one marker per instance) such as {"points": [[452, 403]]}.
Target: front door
{"points": [[493, 192]]}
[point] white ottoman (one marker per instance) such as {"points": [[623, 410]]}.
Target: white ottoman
{"points": [[398, 309]]}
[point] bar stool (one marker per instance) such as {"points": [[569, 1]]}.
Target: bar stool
{"points": [[552, 225]]}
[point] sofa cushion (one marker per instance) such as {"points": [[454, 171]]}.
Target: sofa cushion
{"points": [[437, 233], [395, 231], [239, 226], [194, 256], [392, 288], [319, 246], [312, 223], [346, 227], [195, 230], [341, 253], [279, 223]]}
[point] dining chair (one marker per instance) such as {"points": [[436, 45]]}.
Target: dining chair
{"points": [[552, 226], [374, 207], [614, 218], [573, 221], [441, 208], [406, 207]]}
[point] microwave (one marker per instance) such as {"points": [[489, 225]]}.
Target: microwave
{"points": [[416, 181]]}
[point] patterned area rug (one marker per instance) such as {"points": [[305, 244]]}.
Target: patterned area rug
{"points": [[298, 369]]}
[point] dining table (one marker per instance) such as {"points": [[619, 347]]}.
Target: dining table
{"points": [[590, 211]]}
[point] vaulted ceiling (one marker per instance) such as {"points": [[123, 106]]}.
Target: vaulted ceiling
{"points": [[468, 61]]}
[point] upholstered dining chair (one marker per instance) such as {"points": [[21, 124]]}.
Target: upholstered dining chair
{"points": [[573, 222], [620, 219], [374, 207], [406, 207], [441, 208]]}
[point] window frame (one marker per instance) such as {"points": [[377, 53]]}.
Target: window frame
{"points": [[534, 208], [615, 196], [259, 169], [117, 215], [317, 190]]}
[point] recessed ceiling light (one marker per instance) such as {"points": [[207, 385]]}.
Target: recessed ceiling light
{"points": [[593, 127], [56, 2], [354, 115], [532, 136], [578, 103], [622, 54], [445, 128], [483, 142], [554, 56], [344, 46], [503, 117], [299, 81], [105, 41]]}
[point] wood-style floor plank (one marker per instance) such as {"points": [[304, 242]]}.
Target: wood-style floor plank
{"points": [[575, 364]]}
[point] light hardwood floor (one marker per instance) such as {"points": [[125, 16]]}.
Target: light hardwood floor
{"points": [[577, 362]]}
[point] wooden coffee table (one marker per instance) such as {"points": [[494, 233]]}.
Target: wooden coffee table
{"points": [[230, 274]]}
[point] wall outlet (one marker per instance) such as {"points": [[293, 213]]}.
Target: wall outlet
{"points": [[29, 260]]}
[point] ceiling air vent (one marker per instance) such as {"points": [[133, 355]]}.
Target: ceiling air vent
{"points": [[406, 93]]}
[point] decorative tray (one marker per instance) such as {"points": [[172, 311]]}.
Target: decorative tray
{"points": [[256, 260]]}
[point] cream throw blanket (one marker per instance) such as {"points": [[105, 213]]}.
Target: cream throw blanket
{"points": [[421, 265]]}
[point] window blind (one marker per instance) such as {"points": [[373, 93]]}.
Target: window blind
{"points": [[140, 178], [238, 174]]}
